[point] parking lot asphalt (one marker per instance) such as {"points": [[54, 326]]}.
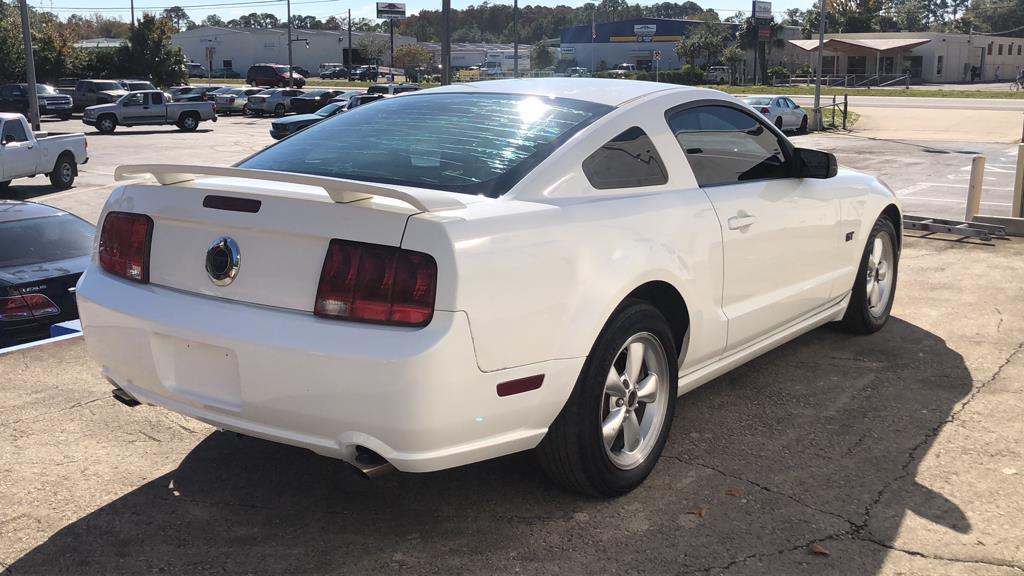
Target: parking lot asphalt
{"points": [[929, 176], [897, 453]]}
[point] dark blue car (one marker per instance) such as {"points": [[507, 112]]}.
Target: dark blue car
{"points": [[283, 127]]}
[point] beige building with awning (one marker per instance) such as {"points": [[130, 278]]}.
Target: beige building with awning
{"points": [[878, 58]]}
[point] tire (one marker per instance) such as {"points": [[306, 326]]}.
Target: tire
{"points": [[879, 268], [188, 123], [63, 175], [279, 110], [803, 124], [106, 124], [575, 453], [5, 184], [65, 117], [778, 123]]}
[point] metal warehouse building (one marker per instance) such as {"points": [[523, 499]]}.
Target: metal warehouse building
{"points": [[239, 48]]}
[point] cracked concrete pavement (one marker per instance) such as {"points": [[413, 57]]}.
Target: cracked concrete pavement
{"points": [[898, 453]]}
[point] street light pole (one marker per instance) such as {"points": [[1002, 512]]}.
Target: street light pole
{"points": [[446, 42], [515, 38], [30, 67], [818, 121], [291, 77]]}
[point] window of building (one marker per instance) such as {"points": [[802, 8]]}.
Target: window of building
{"points": [[828, 64], [990, 48], [938, 66], [1018, 49], [227, 64], [857, 65], [1000, 49], [725, 145], [629, 160]]}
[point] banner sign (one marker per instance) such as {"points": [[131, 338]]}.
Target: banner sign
{"points": [[762, 9], [390, 10]]}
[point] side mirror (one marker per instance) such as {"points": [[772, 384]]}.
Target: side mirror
{"points": [[816, 164]]}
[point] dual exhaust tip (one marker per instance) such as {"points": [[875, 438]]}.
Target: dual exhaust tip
{"points": [[367, 463]]}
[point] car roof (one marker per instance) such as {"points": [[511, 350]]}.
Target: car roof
{"points": [[608, 91], [9, 115], [11, 210], [745, 96]]}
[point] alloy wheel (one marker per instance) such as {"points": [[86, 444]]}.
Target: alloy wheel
{"points": [[635, 401], [879, 278]]}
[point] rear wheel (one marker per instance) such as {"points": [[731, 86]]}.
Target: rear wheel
{"points": [[614, 425], [188, 123], [875, 286], [106, 124], [279, 110], [778, 122], [63, 175]]}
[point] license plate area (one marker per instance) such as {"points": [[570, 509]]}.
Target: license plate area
{"points": [[201, 372]]}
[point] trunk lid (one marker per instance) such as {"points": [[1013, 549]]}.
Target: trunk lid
{"points": [[281, 245]]}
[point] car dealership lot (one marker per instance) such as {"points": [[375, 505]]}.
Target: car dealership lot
{"points": [[897, 453]]}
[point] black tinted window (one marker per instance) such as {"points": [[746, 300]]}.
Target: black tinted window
{"points": [[35, 240], [156, 98], [627, 161], [725, 145], [469, 143], [15, 129]]}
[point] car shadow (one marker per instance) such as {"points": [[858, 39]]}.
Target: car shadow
{"points": [[126, 131], [817, 437]]}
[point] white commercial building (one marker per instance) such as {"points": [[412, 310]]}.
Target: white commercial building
{"points": [[239, 48]]}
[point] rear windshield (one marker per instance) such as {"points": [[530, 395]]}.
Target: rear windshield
{"points": [[468, 143], [377, 89], [46, 239], [758, 101], [101, 86]]}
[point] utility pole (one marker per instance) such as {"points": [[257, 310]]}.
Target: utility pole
{"points": [[133, 15], [391, 60], [817, 81], [30, 67], [515, 38], [291, 77], [348, 60], [446, 42]]}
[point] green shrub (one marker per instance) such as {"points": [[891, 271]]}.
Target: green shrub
{"points": [[778, 73], [689, 74]]}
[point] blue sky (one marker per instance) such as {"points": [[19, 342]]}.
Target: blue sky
{"points": [[323, 9]]}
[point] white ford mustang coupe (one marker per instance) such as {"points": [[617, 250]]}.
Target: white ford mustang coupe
{"points": [[475, 270]]}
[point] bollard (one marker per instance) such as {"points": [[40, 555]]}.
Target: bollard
{"points": [[974, 188], [1018, 185]]}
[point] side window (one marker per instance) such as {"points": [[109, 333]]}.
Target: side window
{"points": [[725, 145], [629, 160], [156, 98], [14, 131], [133, 100]]}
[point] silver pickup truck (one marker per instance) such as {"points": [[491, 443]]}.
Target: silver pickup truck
{"points": [[24, 154], [148, 107]]}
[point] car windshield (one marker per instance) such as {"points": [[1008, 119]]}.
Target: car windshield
{"points": [[329, 109], [141, 86], [377, 89], [281, 69], [223, 90], [101, 86], [44, 89], [233, 92], [270, 92], [467, 143], [45, 239], [315, 93], [758, 101]]}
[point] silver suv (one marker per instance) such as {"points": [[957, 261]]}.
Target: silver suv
{"points": [[276, 101]]}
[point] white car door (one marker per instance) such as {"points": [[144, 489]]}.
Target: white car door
{"points": [[780, 233], [17, 157]]}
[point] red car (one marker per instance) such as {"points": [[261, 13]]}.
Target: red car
{"points": [[273, 75]]}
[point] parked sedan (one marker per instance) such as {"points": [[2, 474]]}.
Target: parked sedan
{"points": [[276, 101], [537, 263], [191, 93], [779, 110], [344, 97], [235, 100], [43, 251], [312, 101], [288, 126]]}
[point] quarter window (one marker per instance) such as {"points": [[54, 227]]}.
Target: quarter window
{"points": [[725, 145], [13, 130], [629, 160]]}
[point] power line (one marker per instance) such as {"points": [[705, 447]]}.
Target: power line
{"points": [[252, 3]]}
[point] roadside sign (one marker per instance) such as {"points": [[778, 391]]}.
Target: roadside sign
{"points": [[390, 10], [762, 9], [764, 32], [210, 50], [657, 54]]}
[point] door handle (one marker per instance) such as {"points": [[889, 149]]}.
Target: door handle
{"points": [[741, 220]]}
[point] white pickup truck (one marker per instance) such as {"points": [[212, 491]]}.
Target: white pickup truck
{"points": [[24, 154], [148, 107]]}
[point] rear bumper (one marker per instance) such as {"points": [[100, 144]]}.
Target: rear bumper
{"points": [[416, 397]]}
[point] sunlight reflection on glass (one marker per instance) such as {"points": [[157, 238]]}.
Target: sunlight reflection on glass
{"points": [[532, 110]]}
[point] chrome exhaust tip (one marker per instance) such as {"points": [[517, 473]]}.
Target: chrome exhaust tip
{"points": [[369, 464]]}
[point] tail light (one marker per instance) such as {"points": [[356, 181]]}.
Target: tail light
{"points": [[26, 307], [124, 245], [379, 284], [765, 110]]}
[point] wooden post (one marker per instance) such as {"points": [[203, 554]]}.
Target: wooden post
{"points": [[846, 102], [833, 110], [974, 188]]}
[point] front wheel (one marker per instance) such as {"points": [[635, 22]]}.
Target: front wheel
{"points": [[279, 110], [875, 285], [106, 124], [614, 425], [63, 175], [803, 124], [778, 123]]}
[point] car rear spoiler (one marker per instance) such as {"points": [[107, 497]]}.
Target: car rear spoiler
{"points": [[341, 191]]}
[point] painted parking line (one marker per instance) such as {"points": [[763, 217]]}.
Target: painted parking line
{"points": [[953, 201]]}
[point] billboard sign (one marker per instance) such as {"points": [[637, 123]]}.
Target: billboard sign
{"points": [[390, 10], [762, 10], [645, 32]]}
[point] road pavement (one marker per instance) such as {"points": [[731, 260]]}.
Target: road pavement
{"points": [[922, 103]]}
